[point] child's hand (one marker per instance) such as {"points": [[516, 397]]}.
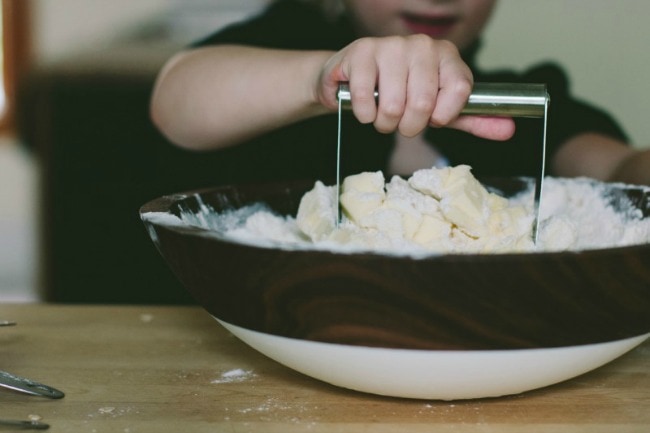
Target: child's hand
{"points": [[421, 81]]}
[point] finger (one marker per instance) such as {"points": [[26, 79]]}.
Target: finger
{"points": [[363, 81], [490, 127], [455, 86], [392, 90], [421, 93]]}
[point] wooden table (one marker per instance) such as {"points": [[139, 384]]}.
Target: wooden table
{"points": [[174, 369]]}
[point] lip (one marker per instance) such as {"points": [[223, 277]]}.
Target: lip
{"points": [[436, 26]]}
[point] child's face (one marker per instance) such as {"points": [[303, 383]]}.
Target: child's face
{"points": [[459, 21]]}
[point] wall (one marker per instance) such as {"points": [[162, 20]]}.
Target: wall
{"points": [[18, 215], [64, 27], [603, 45]]}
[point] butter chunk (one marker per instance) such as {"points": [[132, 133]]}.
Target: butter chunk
{"points": [[496, 202], [400, 190], [431, 182], [432, 230], [403, 199], [514, 220], [362, 194], [444, 210], [385, 220], [465, 202], [558, 234], [364, 182], [409, 218], [317, 212]]}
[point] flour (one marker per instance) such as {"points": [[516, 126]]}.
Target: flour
{"points": [[575, 214], [581, 214], [234, 376]]}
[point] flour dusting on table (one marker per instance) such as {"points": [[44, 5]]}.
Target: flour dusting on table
{"points": [[234, 375]]}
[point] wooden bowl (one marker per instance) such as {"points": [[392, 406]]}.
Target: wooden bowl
{"points": [[456, 302]]}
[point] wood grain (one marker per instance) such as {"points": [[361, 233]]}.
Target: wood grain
{"points": [[156, 369], [474, 301]]}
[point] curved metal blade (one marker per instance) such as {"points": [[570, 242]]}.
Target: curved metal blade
{"points": [[28, 386]]}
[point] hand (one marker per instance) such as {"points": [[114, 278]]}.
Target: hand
{"points": [[422, 82]]}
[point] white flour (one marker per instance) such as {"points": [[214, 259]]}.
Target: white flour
{"points": [[234, 375], [575, 215]]}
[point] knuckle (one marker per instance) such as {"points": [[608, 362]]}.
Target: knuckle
{"points": [[394, 47], [384, 128], [421, 39], [364, 96], [423, 103], [363, 43], [447, 46], [408, 130], [364, 116], [440, 119], [461, 88], [391, 109]]}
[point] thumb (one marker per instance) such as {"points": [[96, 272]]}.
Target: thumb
{"points": [[489, 127]]}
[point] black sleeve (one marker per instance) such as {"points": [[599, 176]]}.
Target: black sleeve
{"points": [[307, 149], [520, 156], [569, 116]]}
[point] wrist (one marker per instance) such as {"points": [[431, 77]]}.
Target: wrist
{"points": [[312, 75]]}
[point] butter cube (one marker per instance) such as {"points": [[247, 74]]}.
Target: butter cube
{"points": [[362, 194], [317, 212], [431, 230]]}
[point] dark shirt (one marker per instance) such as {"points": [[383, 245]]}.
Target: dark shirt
{"points": [[307, 149]]}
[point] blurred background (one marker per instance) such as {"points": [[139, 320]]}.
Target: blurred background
{"points": [[78, 155]]}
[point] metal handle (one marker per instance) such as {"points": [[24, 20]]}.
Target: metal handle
{"points": [[13, 425], [496, 99], [28, 386]]}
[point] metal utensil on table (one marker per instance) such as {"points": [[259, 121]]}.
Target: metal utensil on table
{"points": [[28, 386], [494, 99], [24, 385], [14, 425]]}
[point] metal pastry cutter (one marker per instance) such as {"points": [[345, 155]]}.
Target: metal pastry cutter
{"points": [[493, 99]]}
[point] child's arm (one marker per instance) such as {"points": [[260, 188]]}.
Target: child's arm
{"points": [[222, 95], [604, 158]]}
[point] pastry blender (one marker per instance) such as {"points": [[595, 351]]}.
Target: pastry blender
{"points": [[491, 99]]}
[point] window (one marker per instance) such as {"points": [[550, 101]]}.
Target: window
{"points": [[14, 43]]}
